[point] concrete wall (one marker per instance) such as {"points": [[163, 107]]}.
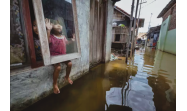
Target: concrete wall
{"points": [[30, 85], [170, 44], [108, 41], [167, 39], [162, 35]]}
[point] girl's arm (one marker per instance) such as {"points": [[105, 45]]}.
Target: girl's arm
{"points": [[49, 26], [48, 35], [70, 41]]}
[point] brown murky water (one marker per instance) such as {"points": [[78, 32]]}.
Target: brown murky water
{"points": [[147, 84]]}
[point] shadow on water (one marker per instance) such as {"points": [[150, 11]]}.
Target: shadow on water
{"points": [[146, 84]]}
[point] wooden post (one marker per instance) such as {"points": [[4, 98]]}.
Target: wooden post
{"points": [[138, 19], [129, 38], [132, 44]]}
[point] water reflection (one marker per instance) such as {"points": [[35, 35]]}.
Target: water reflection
{"points": [[146, 84]]}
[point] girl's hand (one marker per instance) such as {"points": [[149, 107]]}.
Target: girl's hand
{"points": [[48, 24], [73, 39]]}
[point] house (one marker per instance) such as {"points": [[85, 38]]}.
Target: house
{"points": [[120, 29], [88, 23], [153, 36], [141, 34], [167, 37]]}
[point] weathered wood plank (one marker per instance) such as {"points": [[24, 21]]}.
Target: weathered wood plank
{"points": [[97, 30], [100, 30], [29, 34], [76, 26], [38, 10], [98, 33], [105, 14], [95, 33], [92, 10], [56, 59]]}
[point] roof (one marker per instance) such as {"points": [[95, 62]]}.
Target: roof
{"points": [[141, 34], [141, 20], [122, 11], [144, 35], [114, 1], [154, 29], [167, 7]]}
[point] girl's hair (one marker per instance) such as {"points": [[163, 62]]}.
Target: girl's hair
{"points": [[32, 18], [34, 34], [53, 31]]}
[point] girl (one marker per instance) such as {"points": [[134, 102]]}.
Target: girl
{"points": [[37, 42], [57, 44]]}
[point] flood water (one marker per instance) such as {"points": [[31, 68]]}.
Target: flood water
{"points": [[146, 84]]}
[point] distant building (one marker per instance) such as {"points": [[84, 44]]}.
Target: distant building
{"points": [[141, 35], [120, 27], [152, 36]]}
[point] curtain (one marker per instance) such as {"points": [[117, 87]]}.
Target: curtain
{"points": [[17, 49]]}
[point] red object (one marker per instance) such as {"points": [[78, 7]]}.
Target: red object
{"points": [[154, 44], [57, 45]]}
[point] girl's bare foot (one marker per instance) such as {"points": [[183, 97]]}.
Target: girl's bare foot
{"points": [[56, 89], [69, 80]]}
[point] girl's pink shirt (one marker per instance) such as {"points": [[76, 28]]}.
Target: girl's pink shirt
{"points": [[57, 45]]}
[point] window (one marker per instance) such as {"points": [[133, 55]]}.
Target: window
{"points": [[34, 44], [61, 11], [23, 51], [117, 38], [63, 42]]}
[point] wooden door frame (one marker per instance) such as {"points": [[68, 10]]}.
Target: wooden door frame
{"points": [[101, 31], [105, 2]]}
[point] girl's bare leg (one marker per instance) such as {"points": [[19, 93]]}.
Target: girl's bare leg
{"points": [[55, 77], [68, 70]]}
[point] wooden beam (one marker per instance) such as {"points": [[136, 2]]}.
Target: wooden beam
{"points": [[39, 15], [29, 32]]}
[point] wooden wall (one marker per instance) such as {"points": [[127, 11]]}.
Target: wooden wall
{"points": [[117, 16], [123, 34], [97, 30]]}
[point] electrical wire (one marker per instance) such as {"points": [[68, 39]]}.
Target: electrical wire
{"points": [[149, 3]]}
